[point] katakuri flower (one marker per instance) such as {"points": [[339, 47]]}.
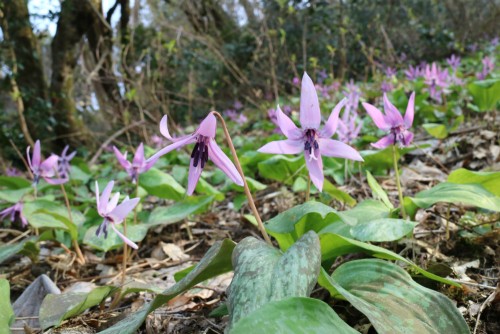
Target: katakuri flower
{"points": [[112, 212], [454, 62], [14, 211], [393, 122], [63, 161], [310, 140], [205, 148], [46, 169], [138, 166]]}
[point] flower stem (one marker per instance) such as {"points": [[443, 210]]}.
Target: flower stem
{"points": [[245, 185], [81, 258], [125, 253], [136, 195], [398, 182]]}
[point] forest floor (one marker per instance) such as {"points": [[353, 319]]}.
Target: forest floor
{"points": [[464, 255]]}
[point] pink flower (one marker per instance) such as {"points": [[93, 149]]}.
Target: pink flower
{"points": [[138, 165], [309, 139], [393, 122], [45, 169], [205, 148], [63, 161], [112, 213], [13, 211]]}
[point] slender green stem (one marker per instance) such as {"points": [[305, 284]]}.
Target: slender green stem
{"points": [[125, 253], [78, 251], [245, 184], [398, 182]]}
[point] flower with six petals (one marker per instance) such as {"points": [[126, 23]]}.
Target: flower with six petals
{"points": [[45, 169], [393, 122], [205, 148], [15, 211], [112, 212], [310, 140], [139, 164]]}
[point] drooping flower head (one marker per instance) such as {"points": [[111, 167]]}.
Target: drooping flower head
{"points": [[310, 140], [205, 148], [138, 166], [390, 72], [454, 62], [46, 169], [63, 162], [15, 211], [237, 117], [393, 122], [488, 67], [13, 171], [437, 80], [112, 212], [414, 72]]}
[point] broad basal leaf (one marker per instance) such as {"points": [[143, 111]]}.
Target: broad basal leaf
{"points": [[393, 302], [489, 180], [160, 184], [380, 230], [177, 212], [6, 313], [377, 190]]}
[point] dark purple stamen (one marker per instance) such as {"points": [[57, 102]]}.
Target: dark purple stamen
{"points": [[310, 141], [200, 152]]}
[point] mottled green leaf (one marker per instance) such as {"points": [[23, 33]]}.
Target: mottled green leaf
{"points": [[368, 210], [395, 303], [489, 180], [217, 260], [293, 315], [385, 229], [280, 168], [7, 314], [468, 194], [333, 245], [56, 308], [486, 93], [160, 184]]}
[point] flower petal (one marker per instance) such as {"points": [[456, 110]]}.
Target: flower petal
{"points": [[287, 146], [208, 126], [286, 125], [113, 202], [221, 160], [384, 142], [193, 177], [184, 141], [53, 181], [164, 128], [70, 156], [121, 211], [393, 116], [49, 166], [103, 201], [122, 158], [97, 195], [410, 111], [139, 156], [335, 148], [28, 157], [315, 167], [36, 154], [407, 138], [124, 238], [310, 114], [377, 117], [332, 122]]}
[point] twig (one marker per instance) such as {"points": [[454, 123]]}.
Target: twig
{"points": [[488, 300], [21, 157]]}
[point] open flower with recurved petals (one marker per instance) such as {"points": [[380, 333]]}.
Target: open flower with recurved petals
{"points": [[112, 212], [205, 148], [46, 169], [310, 139], [14, 211], [63, 161], [139, 164], [393, 121]]}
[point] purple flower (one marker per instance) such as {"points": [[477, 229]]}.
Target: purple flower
{"points": [[12, 171], [13, 211], [64, 159], [287, 109], [322, 76], [237, 105], [295, 81], [494, 42], [393, 121], [413, 73], [454, 62], [488, 67], [205, 148], [157, 141], [386, 87], [112, 213], [45, 169], [349, 126], [390, 72], [237, 117], [138, 166], [273, 117], [436, 79], [309, 139]]}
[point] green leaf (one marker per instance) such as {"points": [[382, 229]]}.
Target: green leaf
{"points": [[380, 230], [7, 251], [136, 233], [178, 211], [160, 184], [7, 315], [14, 182], [489, 180], [56, 308], [289, 226], [263, 274], [280, 168], [293, 315], [468, 194], [203, 187], [338, 194], [217, 260], [436, 130], [368, 210], [486, 93], [333, 245], [377, 190], [393, 302], [14, 195]]}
